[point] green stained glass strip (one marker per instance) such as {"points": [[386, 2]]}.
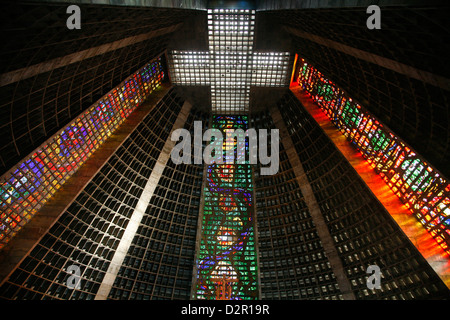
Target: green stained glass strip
{"points": [[228, 253]]}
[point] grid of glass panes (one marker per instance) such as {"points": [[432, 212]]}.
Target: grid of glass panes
{"points": [[227, 252], [159, 262], [26, 188], [230, 35], [270, 69], [88, 232], [423, 190], [292, 261], [363, 231], [190, 68], [233, 67]]}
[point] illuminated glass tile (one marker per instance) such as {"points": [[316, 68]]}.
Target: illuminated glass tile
{"points": [[417, 184], [230, 67], [227, 248], [25, 189]]}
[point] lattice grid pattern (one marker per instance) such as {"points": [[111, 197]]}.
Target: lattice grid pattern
{"points": [[26, 188], [230, 67], [423, 190], [227, 249]]}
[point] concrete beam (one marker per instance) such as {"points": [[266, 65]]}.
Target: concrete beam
{"points": [[24, 73], [29, 236], [313, 207], [139, 211]]}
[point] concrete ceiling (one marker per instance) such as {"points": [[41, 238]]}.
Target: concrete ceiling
{"points": [[400, 73]]}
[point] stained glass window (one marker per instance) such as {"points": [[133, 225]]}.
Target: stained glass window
{"points": [[25, 189], [423, 190], [227, 257]]}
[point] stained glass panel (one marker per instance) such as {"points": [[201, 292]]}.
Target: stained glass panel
{"points": [[25, 189], [423, 190], [227, 257]]}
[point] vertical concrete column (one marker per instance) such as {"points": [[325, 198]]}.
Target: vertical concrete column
{"points": [[313, 207], [139, 211], [12, 255]]}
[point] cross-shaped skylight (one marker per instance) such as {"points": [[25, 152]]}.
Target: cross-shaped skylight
{"points": [[230, 67]]}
